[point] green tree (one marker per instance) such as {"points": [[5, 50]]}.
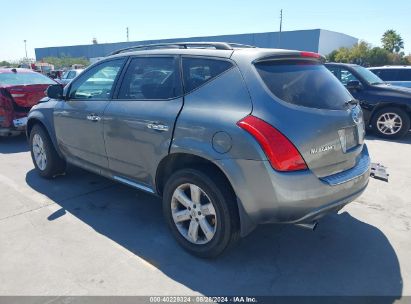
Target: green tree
{"points": [[392, 41], [65, 61], [378, 56], [4, 63]]}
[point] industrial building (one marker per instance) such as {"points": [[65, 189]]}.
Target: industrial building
{"points": [[316, 40]]}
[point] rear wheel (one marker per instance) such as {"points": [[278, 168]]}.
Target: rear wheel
{"points": [[391, 122], [201, 212], [45, 157]]}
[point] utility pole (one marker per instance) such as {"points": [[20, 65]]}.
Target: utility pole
{"points": [[25, 46], [127, 34], [281, 28]]}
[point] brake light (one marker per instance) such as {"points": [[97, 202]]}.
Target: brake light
{"points": [[280, 151], [310, 54]]}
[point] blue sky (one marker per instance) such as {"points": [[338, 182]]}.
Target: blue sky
{"points": [[46, 23]]}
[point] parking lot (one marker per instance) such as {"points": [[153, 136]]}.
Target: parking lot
{"points": [[82, 234]]}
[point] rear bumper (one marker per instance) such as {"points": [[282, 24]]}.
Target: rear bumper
{"points": [[268, 196], [18, 126], [6, 132]]}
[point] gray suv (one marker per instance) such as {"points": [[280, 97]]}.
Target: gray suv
{"points": [[229, 136]]}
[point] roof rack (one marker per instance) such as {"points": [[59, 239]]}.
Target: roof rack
{"points": [[183, 45]]}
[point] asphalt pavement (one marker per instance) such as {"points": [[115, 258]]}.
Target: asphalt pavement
{"points": [[82, 234]]}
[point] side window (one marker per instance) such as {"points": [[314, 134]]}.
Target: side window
{"points": [[347, 76], [404, 75], [151, 78], [389, 75], [377, 72], [97, 83], [71, 75], [336, 72], [197, 71]]}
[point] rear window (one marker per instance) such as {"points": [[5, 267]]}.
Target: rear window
{"points": [[24, 79], [304, 83], [197, 71]]}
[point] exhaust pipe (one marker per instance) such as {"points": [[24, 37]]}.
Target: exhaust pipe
{"points": [[310, 226]]}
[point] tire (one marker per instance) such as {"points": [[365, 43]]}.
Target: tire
{"points": [[398, 116], [42, 148], [225, 223]]}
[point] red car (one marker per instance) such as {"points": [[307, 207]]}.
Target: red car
{"points": [[20, 89]]}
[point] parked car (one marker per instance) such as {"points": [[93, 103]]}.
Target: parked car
{"points": [[20, 89], [69, 75], [387, 108], [229, 136], [396, 74]]}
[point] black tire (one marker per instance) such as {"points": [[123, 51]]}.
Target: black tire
{"points": [[224, 202], [405, 120], [55, 165]]}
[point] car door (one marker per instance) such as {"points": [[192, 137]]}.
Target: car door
{"points": [[78, 121], [139, 122]]}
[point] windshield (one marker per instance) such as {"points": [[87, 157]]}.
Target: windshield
{"points": [[24, 79], [368, 76], [304, 83]]}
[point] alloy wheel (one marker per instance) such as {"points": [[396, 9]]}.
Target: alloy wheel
{"points": [[193, 214], [389, 123], [39, 153]]}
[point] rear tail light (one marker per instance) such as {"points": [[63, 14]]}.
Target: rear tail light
{"points": [[6, 108], [281, 153]]}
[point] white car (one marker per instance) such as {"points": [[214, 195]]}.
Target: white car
{"points": [[399, 75], [69, 75]]}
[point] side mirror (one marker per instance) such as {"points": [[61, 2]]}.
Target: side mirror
{"points": [[354, 85], [55, 91]]}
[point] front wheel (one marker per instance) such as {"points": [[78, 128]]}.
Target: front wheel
{"points": [[45, 157], [391, 122], [201, 212]]}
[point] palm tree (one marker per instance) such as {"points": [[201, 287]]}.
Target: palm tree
{"points": [[392, 41]]}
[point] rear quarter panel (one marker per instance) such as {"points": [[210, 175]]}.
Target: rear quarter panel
{"points": [[207, 124]]}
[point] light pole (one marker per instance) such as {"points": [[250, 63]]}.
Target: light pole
{"points": [[25, 46]]}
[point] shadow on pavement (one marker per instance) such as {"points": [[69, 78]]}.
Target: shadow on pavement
{"points": [[405, 140], [14, 144], [344, 256]]}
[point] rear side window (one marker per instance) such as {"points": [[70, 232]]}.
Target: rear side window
{"points": [[404, 75], [151, 78], [388, 74], [197, 71], [304, 83]]}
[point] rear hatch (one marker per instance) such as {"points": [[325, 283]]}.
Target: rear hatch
{"points": [[313, 110], [26, 96]]}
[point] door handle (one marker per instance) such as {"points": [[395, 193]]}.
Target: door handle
{"points": [[157, 126], [93, 117]]}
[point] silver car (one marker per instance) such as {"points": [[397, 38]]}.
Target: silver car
{"points": [[69, 75], [229, 136]]}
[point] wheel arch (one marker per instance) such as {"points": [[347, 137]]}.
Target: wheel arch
{"points": [[174, 161], [40, 120], [382, 105]]}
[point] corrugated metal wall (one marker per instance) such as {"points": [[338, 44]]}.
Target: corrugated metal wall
{"points": [[306, 40]]}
